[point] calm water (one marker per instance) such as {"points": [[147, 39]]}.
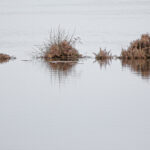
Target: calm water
{"points": [[78, 105]]}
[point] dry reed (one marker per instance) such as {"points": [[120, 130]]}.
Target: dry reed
{"points": [[138, 49], [4, 58], [103, 54], [61, 47]]}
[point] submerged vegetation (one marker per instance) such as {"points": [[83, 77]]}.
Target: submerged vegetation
{"points": [[103, 55], [4, 58], [140, 66], [61, 47], [138, 49]]}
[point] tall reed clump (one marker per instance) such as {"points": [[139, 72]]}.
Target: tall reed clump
{"points": [[138, 49], [4, 58], [61, 47], [103, 55]]}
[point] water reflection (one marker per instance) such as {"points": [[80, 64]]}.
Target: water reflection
{"points": [[140, 67], [104, 63], [3, 61], [61, 71]]}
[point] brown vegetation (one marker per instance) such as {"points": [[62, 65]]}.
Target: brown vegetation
{"points": [[138, 49], [4, 58], [103, 55], [61, 47], [140, 66]]}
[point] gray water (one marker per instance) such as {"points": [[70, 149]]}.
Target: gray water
{"points": [[83, 105]]}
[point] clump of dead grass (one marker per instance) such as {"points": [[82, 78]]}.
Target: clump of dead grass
{"points": [[61, 47], [138, 49], [4, 58], [103, 55]]}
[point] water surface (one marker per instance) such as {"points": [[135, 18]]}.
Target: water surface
{"points": [[78, 105]]}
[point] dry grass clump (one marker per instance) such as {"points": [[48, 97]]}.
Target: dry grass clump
{"points": [[140, 66], [61, 47], [138, 49], [4, 58], [103, 54]]}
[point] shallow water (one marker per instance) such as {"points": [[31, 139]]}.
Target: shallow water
{"points": [[79, 105]]}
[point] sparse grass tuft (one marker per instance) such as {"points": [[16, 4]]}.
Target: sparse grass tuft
{"points": [[61, 47], [103, 54], [4, 58], [138, 49]]}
